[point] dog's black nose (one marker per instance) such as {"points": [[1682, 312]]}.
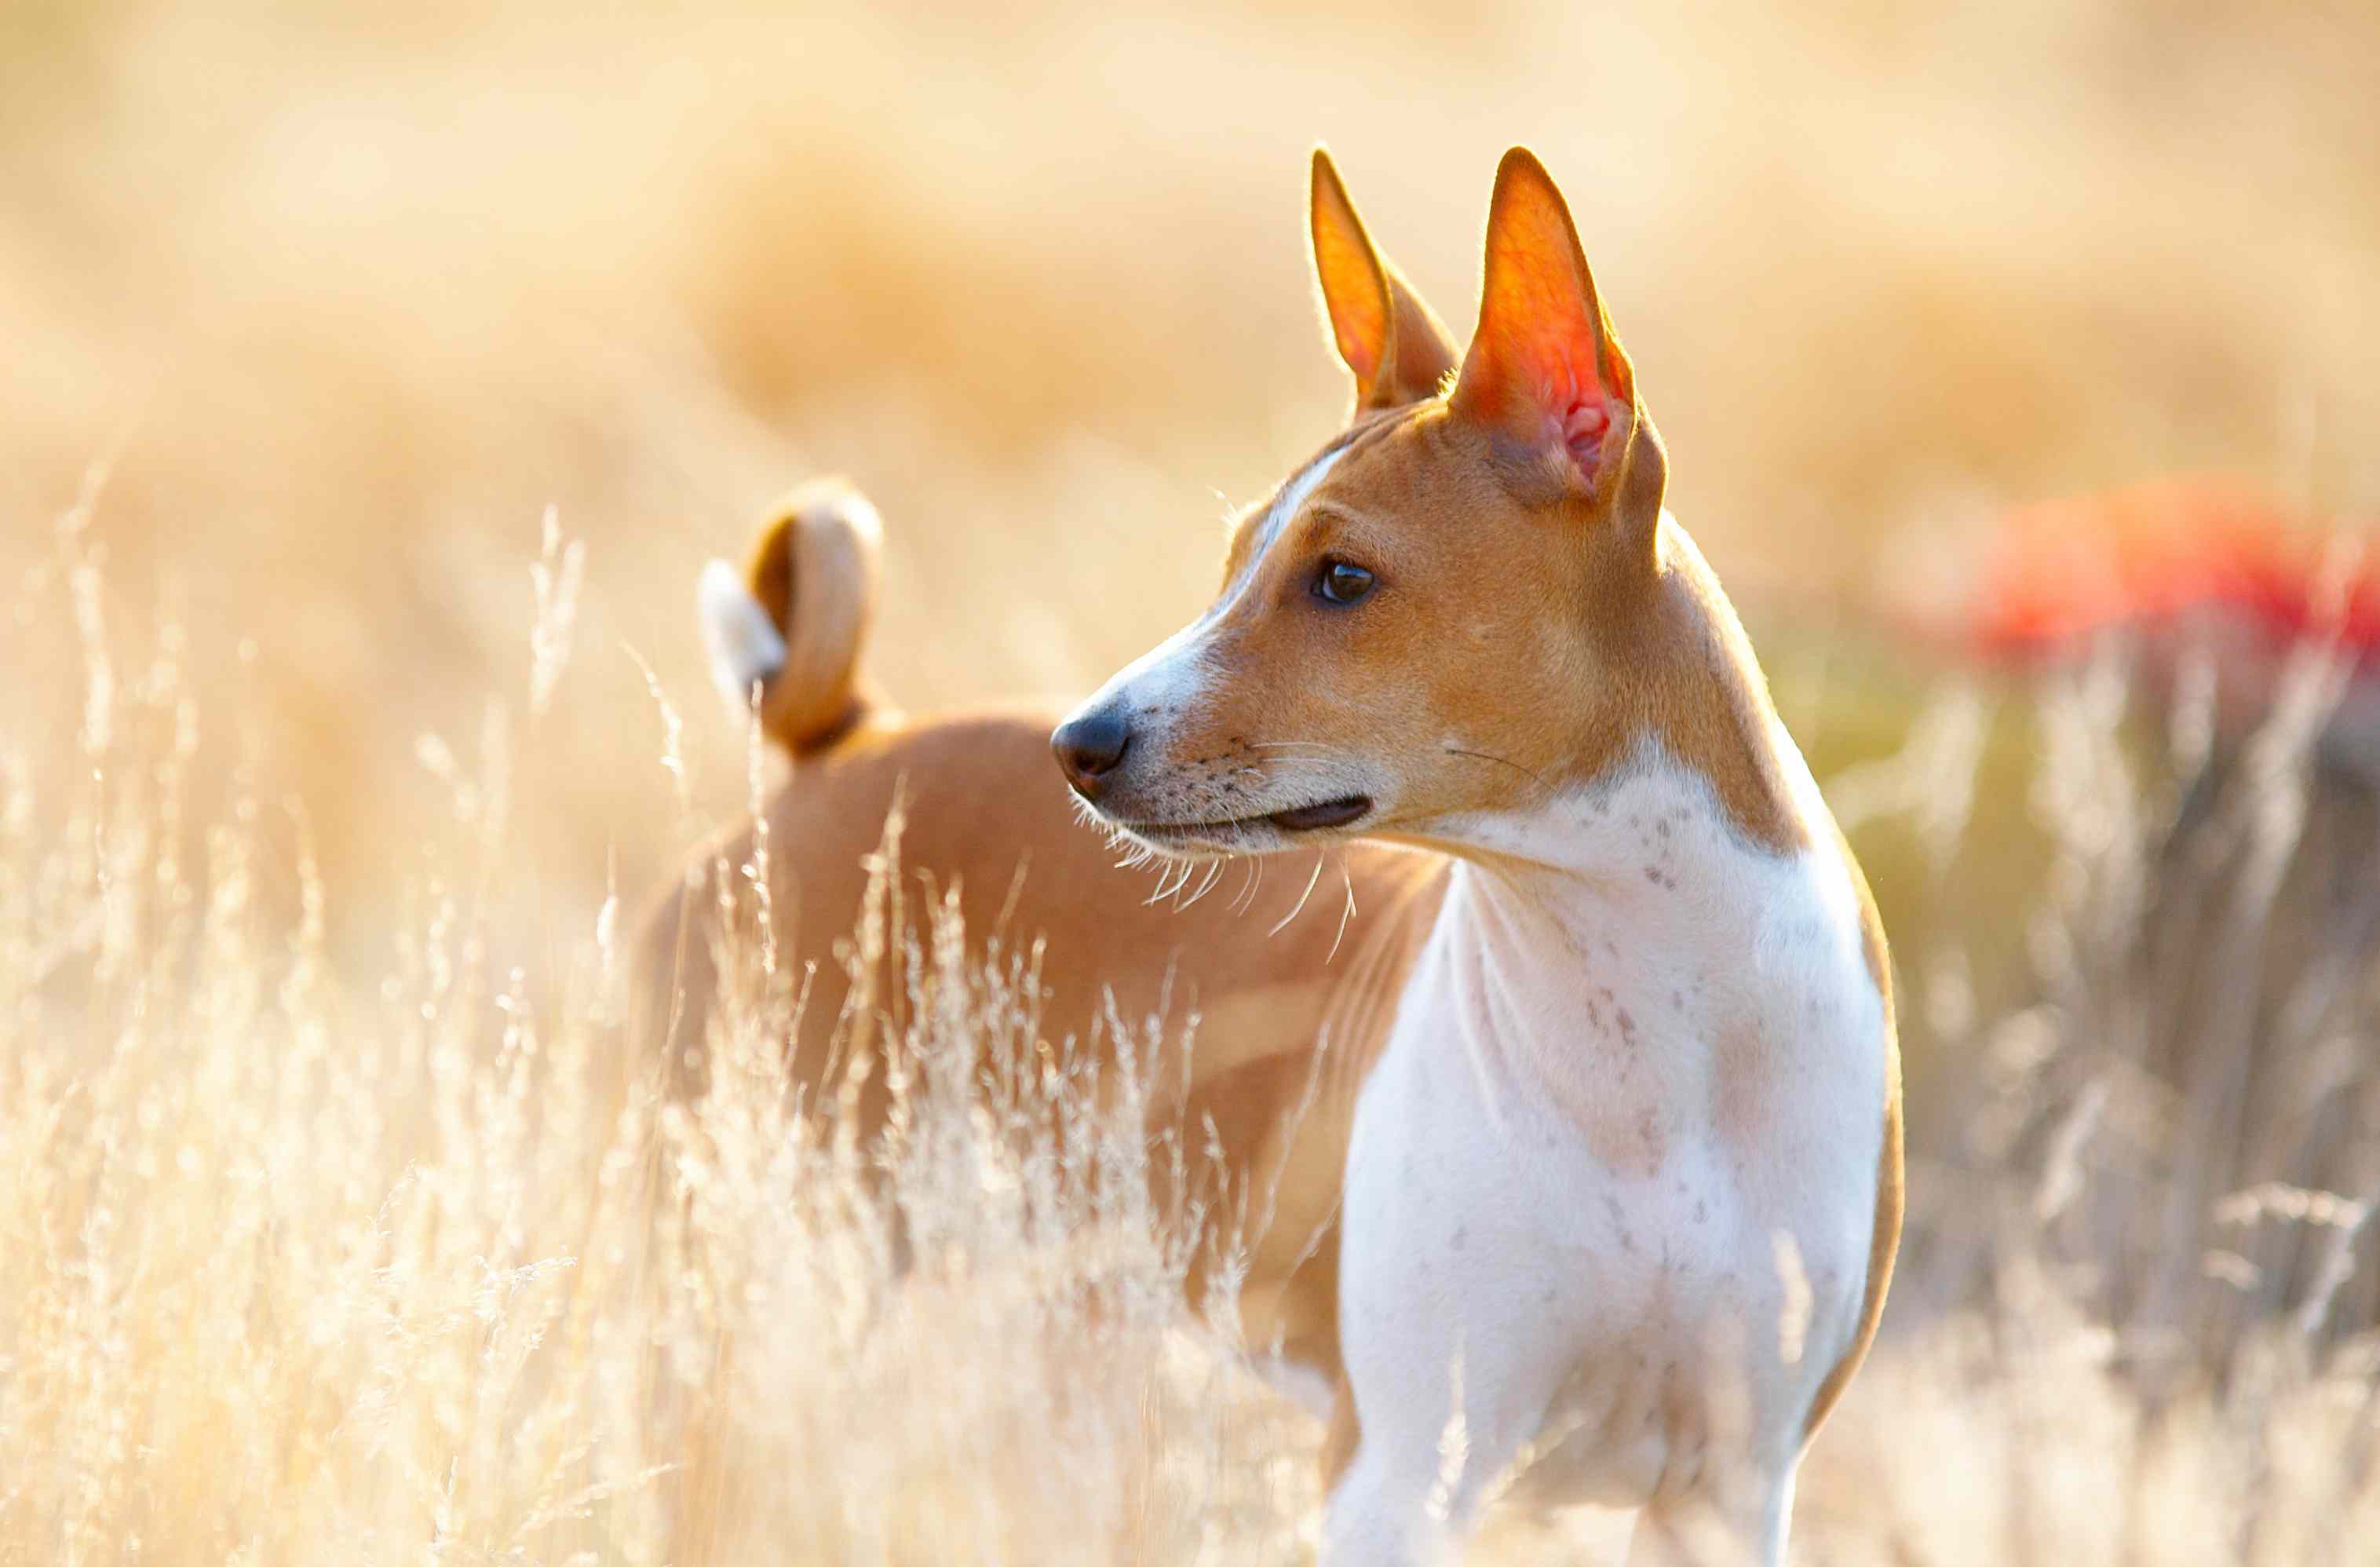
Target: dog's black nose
{"points": [[1089, 746]]}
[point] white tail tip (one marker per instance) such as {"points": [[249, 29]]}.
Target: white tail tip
{"points": [[746, 647]]}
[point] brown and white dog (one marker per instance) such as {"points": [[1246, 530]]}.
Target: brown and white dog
{"points": [[1600, 1197]]}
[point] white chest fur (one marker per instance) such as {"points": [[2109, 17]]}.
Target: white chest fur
{"points": [[1612, 1182]]}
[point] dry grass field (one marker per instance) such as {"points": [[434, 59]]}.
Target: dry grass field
{"points": [[373, 381]]}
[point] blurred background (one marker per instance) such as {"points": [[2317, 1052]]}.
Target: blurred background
{"points": [[1973, 331], [346, 295]]}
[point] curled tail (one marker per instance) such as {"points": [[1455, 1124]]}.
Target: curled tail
{"points": [[794, 621]]}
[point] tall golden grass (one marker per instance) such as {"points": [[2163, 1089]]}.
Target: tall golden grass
{"points": [[435, 1269], [338, 1219]]}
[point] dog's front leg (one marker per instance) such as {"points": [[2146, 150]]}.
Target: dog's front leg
{"points": [[1435, 1427], [1452, 1324], [1379, 1511], [1735, 1521]]}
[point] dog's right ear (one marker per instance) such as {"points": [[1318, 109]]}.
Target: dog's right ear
{"points": [[1394, 344]]}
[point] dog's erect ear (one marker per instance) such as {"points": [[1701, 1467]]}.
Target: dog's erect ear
{"points": [[1544, 368], [1397, 350]]}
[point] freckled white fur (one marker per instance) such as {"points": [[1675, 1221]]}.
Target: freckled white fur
{"points": [[744, 647], [1548, 1208]]}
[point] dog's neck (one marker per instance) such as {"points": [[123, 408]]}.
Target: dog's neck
{"points": [[1623, 925]]}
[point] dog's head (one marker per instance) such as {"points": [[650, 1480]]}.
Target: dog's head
{"points": [[1433, 621]]}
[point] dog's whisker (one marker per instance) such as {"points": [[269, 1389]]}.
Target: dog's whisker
{"points": [[1168, 876], [1346, 913], [1299, 907], [1189, 869], [1503, 761], [1246, 899], [1207, 884]]}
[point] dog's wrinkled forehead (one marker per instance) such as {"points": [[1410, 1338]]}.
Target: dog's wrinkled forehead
{"points": [[1263, 524]]}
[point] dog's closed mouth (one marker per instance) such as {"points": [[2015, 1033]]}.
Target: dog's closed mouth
{"points": [[1299, 819], [1330, 813]]}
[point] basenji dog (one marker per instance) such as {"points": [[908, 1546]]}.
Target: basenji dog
{"points": [[1600, 1200]]}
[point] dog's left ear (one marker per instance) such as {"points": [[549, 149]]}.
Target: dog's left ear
{"points": [[1544, 370], [1394, 344]]}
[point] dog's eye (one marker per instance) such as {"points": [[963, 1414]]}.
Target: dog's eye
{"points": [[1340, 583]]}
